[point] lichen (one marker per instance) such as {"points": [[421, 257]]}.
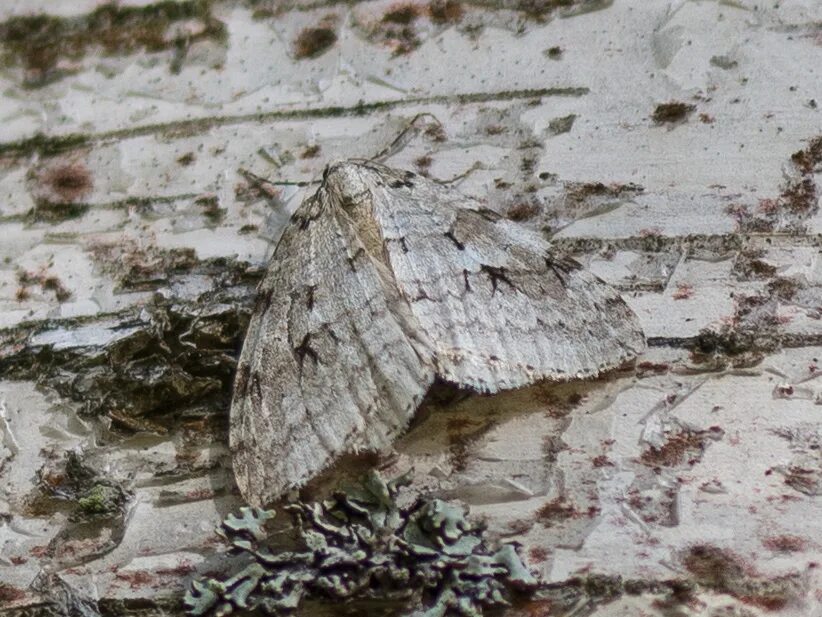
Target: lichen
{"points": [[362, 545]]}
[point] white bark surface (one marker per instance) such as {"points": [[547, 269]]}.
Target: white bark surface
{"points": [[135, 220]]}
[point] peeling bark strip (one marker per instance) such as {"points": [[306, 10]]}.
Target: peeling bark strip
{"points": [[388, 274]]}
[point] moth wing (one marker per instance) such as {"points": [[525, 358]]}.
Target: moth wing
{"points": [[501, 309], [326, 367]]}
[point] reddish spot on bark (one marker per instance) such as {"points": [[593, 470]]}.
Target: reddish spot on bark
{"points": [[10, 594], [184, 568], [650, 232], [602, 461], [653, 367], [785, 543], [136, 578], [39, 551], [69, 182], [556, 510], [683, 291], [538, 554]]}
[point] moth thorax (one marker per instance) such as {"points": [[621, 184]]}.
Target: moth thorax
{"points": [[367, 230]]}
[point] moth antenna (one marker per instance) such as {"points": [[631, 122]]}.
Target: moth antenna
{"points": [[410, 131], [460, 177], [260, 181]]}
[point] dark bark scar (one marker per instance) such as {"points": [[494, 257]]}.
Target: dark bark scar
{"points": [[561, 268], [353, 258], [496, 274], [255, 386], [304, 349], [450, 235], [263, 301], [241, 383]]}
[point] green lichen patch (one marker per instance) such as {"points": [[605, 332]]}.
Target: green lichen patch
{"points": [[362, 545], [47, 47]]}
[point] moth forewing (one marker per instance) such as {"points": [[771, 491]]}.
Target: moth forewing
{"points": [[382, 282]]}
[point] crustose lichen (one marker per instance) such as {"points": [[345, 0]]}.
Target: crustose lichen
{"points": [[365, 546]]}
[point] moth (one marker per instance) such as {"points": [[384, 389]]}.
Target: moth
{"points": [[382, 282]]}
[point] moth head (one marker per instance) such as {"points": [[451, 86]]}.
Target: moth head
{"points": [[347, 184]]}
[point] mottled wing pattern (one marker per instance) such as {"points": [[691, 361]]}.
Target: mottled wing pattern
{"points": [[327, 367], [501, 309]]}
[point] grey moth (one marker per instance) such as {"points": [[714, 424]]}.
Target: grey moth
{"points": [[382, 282]]}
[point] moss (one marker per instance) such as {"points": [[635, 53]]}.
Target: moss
{"points": [[807, 159], [523, 210], [673, 111], [54, 284], [315, 41], [783, 288], [722, 571], [445, 11], [187, 159], [55, 212], [423, 163], [43, 145], [46, 282], [401, 14], [210, 207], [540, 9], [581, 191], [100, 499], [38, 43], [554, 53], [561, 125], [462, 434], [310, 152]]}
